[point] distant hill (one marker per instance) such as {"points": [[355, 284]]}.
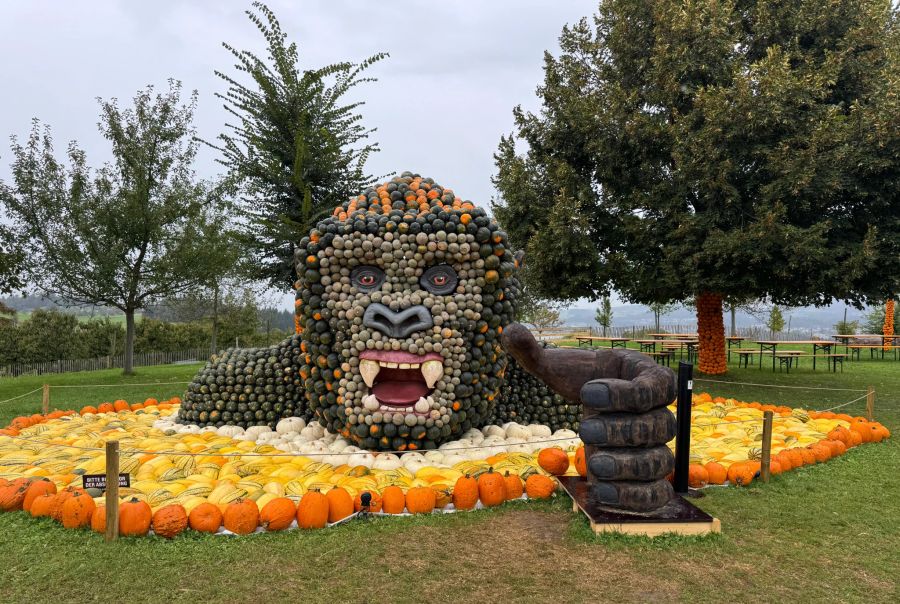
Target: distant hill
{"points": [[819, 320]]}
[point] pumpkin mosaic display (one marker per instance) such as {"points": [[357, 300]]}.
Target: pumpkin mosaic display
{"points": [[223, 470], [401, 297]]}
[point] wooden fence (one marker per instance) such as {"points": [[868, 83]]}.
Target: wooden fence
{"points": [[142, 359]]}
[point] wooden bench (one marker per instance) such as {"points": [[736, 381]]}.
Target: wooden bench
{"points": [[745, 355], [786, 358], [856, 348], [835, 358], [664, 357]]}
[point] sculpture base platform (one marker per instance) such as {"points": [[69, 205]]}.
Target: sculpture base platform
{"points": [[679, 516]]}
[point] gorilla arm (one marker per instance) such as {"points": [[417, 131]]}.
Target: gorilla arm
{"points": [[625, 426]]}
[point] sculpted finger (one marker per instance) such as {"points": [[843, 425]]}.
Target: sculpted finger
{"points": [[653, 386], [632, 495], [629, 430], [630, 464]]}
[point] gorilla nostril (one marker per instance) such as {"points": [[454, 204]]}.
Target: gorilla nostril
{"points": [[399, 324]]}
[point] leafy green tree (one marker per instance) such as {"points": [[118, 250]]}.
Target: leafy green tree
{"points": [[604, 314], [11, 260], [775, 322], [298, 148], [659, 310], [688, 149], [127, 233]]}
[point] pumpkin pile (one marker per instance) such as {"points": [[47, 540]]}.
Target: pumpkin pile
{"points": [[888, 328], [726, 438], [224, 480], [711, 334]]}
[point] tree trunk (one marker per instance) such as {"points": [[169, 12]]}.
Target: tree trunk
{"points": [[215, 320], [129, 342], [711, 332]]}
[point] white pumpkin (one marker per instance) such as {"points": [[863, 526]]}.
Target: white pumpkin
{"points": [[435, 457], [253, 432], [290, 424], [387, 461], [517, 431], [540, 430], [231, 431], [494, 431], [415, 465], [361, 459], [564, 434]]}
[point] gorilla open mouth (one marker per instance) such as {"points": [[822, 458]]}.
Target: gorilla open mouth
{"points": [[400, 381]]}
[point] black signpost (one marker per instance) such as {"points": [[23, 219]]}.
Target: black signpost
{"points": [[683, 427]]}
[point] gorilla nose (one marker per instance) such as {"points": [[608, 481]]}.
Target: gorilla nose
{"points": [[397, 324]]}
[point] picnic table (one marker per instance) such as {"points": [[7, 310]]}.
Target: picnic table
{"points": [[772, 346], [647, 345], [732, 341], [681, 345], [885, 341], [613, 342], [677, 336]]}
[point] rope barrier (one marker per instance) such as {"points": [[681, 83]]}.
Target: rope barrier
{"points": [[778, 386], [780, 418], [21, 396], [126, 385]]}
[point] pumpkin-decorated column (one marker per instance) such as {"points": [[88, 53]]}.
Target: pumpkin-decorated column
{"points": [[888, 329], [625, 424], [711, 332]]}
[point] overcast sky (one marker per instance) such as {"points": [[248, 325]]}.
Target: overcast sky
{"points": [[442, 100]]}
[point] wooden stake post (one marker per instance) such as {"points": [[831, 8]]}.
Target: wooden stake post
{"points": [[112, 490], [870, 403], [45, 402], [765, 470]]}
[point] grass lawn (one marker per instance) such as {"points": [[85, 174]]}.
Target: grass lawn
{"points": [[824, 533]]}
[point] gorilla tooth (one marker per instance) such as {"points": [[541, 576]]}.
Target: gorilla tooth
{"points": [[422, 406], [368, 370], [371, 403], [432, 371]]}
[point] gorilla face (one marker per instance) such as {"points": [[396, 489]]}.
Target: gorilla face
{"points": [[401, 299]]}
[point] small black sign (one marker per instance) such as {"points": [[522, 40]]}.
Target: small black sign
{"points": [[98, 481]]}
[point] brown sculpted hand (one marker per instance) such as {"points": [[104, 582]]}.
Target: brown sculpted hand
{"points": [[625, 426]]}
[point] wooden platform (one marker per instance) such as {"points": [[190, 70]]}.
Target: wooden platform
{"points": [[678, 516]]}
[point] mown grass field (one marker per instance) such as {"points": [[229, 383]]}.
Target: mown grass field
{"points": [[825, 533]]}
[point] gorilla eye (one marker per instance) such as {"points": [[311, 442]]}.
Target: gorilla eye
{"points": [[440, 279], [367, 278]]}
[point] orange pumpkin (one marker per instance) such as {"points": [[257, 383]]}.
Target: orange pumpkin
{"points": [[134, 518], [41, 505], [169, 521], [98, 519], [741, 473], [105, 408], [465, 493], [492, 488], [716, 473], [420, 500], [580, 462], [513, 486], [554, 460], [56, 507], [698, 476], [340, 504], [77, 510], [312, 513], [711, 333], [88, 409], [121, 405], [441, 498], [538, 486], [393, 501], [374, 502], [12, 496], [36, 489], [241, 517], [205, 518], [278, 514]]}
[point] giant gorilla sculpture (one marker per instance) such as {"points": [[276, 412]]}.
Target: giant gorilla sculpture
{"points": [[402, 299]]}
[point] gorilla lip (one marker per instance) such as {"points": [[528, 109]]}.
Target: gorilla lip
{"points": [[398, 378]]}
